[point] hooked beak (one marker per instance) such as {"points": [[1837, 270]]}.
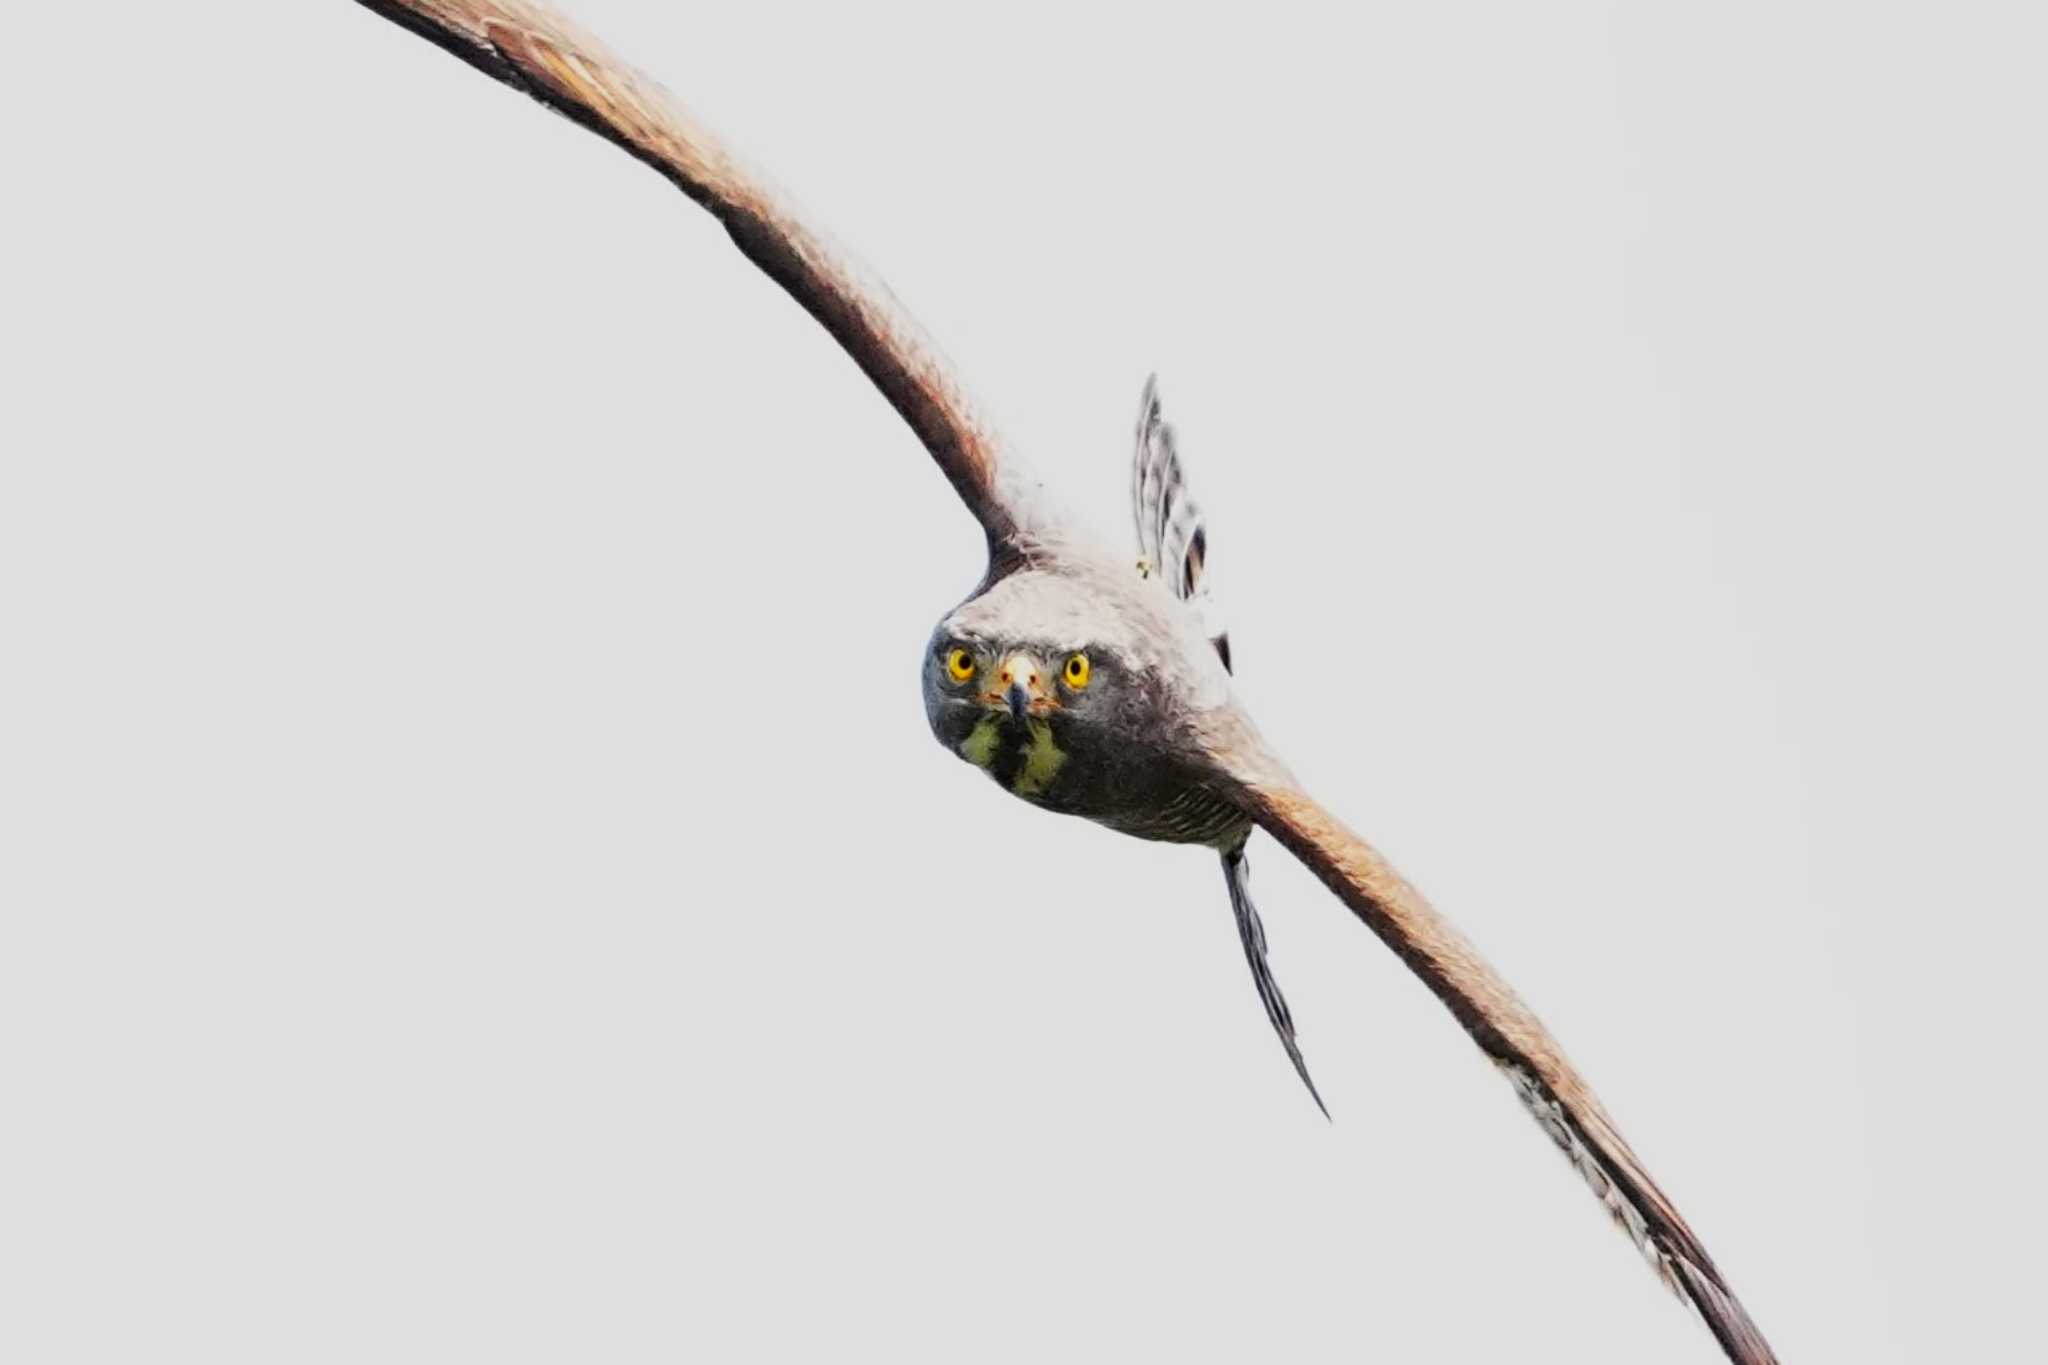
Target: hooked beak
{"points": [[1022, 685]]}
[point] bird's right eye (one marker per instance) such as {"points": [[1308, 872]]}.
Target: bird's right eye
{"points": [[959, 664]]}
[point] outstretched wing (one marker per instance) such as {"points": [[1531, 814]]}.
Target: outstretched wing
{"points": [[530, 48], [1173, 538], [1505, 1029]]}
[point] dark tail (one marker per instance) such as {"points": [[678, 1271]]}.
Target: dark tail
{"points": [[1237, 875]]}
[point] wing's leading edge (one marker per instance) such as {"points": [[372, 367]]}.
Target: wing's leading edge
{"points": [[530, 48], [1505, 1029]]}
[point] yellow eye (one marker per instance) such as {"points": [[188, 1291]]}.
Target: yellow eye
{"points": [[1076, 672], [959, 665]]}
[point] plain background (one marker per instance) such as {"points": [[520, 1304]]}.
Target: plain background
{"points": [[475, 881]]}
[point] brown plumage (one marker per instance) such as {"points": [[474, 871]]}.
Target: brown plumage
{"points": [[534, 49], [1142, 734]]}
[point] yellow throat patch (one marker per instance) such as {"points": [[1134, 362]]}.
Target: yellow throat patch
{"points": [[1042, 760], [979, 748], [1042, 756]]}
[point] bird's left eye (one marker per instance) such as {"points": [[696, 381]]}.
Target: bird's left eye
{"points": [[959, 664], [1077, 671]]}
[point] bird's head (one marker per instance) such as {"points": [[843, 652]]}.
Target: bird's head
{"points": [[1051, 680]]}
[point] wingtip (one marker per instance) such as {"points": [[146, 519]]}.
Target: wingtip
{"points": [[1301, 1070]]}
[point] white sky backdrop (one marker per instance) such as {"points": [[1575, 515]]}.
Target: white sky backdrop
{"points": [[476, 880]]}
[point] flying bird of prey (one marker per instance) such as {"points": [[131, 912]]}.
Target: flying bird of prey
{"points": [[1084, 680]]}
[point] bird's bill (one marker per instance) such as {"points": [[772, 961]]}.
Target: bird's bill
{"points": [[1023, 691]]}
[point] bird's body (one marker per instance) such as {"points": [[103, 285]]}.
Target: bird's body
{"points": [[1121, 751], [1084, 681], [1127, 749]]}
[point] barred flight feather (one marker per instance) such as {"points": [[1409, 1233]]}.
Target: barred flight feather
{"points": [[1173, 537]]}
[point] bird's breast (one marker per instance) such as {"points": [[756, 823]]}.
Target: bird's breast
{"points": [[1126, 786]]}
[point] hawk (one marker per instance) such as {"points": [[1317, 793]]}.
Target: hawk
{"points": [[1085, 680]]}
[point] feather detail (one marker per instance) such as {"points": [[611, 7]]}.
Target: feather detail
{"points": [[1173, 537], [528, 46], [1505, 1029], [1251, 933]]}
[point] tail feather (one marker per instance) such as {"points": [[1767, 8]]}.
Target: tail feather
{"points": [[1253, 935]]}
